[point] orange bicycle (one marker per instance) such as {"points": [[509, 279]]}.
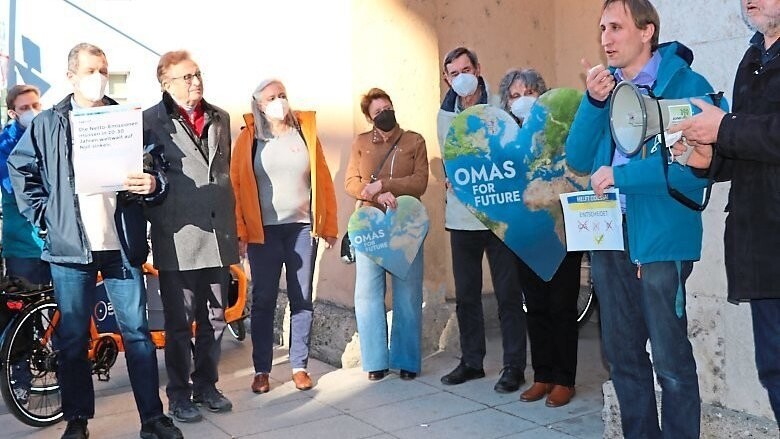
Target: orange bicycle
{"points": [[29, 351]]}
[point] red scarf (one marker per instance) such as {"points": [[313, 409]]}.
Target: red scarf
{"points": [[196, 119]]}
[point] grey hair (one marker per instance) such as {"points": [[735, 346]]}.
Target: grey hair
{"points": [[530, 77], [262, 124], [457, 53], [73, 55]]}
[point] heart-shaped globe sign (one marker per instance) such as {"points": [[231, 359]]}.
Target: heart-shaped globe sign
{"points": [[391, 239], [510, 177]]}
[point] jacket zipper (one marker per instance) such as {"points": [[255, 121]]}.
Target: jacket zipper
{"points": [[392, 163], [65, 122]]}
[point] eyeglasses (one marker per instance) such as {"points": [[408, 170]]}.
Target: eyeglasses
{"points": [[189, 77]]}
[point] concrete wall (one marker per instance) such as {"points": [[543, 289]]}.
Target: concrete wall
{"points": [[577, 36], [721, 332]]}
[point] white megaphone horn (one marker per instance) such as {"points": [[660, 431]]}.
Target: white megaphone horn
{"points": [[634, 117]]}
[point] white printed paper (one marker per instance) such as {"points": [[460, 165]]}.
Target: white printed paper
{"points": [[107, 146], [593, 222]]}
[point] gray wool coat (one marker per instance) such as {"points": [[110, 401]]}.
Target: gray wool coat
{"points": [[195, 227]]}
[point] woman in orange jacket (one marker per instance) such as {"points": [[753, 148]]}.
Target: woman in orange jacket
{"points": [[285, 202]]}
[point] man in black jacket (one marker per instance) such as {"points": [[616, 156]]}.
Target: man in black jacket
{"points": [[744, 147], [87, 233]]}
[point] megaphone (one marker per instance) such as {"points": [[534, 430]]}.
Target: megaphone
{"points": [[634, 117]]}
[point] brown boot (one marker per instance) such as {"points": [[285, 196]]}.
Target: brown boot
{"points": [[260, 383], [302, 380], [536, 392], [560, 396]]}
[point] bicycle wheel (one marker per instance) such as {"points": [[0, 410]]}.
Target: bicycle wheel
{"points": [[586, 301], [29, 363]]}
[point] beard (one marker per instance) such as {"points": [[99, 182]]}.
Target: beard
{"points": [[771, 25]]}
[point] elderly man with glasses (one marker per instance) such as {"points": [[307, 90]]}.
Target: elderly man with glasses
{"points": [[193, 233]]}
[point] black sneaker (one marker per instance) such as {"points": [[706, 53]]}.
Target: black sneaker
{"points": [[184, 411], [461, 374], [214, 401], [510, 381], [76, 429], [160, 428]]}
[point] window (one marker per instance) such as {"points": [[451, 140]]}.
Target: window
{"points": [[117, 86]]}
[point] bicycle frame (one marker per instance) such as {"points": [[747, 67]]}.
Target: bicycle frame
{"points": [[232, 314], [103, 349]]}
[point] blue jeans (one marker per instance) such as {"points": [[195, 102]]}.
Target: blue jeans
{"points": [[370, 286], [634, 310], [75, 296], [290, 245], [766, 335]]}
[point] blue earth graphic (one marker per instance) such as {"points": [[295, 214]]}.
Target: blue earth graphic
{"points": [[390, 239], [510, 177]]}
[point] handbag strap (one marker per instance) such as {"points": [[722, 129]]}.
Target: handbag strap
{"points": [[384, 160]]}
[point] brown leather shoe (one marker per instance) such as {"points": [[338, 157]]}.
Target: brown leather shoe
{"points": [[376, 375], [302, 380], [559, 396], [260, 383], [536, 392]]}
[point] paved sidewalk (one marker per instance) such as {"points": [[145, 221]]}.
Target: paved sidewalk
{"points": [[344, 404]]}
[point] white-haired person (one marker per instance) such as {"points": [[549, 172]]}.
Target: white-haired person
{"points": [[285, 202]]}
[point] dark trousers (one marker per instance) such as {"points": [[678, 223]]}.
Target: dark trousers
{"points": [[291, 246], [552, 320], [467, 250], [766, 335], [34, 270], [193, 296]]}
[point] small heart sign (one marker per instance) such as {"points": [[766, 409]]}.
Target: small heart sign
{"points": [[391, 239]]}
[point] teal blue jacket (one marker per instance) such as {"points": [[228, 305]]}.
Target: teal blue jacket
{"points": [[659, 227], [20, 238]]}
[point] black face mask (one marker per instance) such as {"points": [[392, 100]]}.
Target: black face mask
{"points": [[385, 120]]}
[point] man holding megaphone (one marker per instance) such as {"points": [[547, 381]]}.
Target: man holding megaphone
{"points": [[744, 147], [642, 289]]}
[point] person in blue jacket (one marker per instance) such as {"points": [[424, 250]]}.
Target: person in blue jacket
{"points": [[21, 244], [642, 289]]}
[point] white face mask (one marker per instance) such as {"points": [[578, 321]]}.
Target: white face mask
{"points": [[25, 119], [277, 109], [465, 84], [521, 107], [92, 87]]}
